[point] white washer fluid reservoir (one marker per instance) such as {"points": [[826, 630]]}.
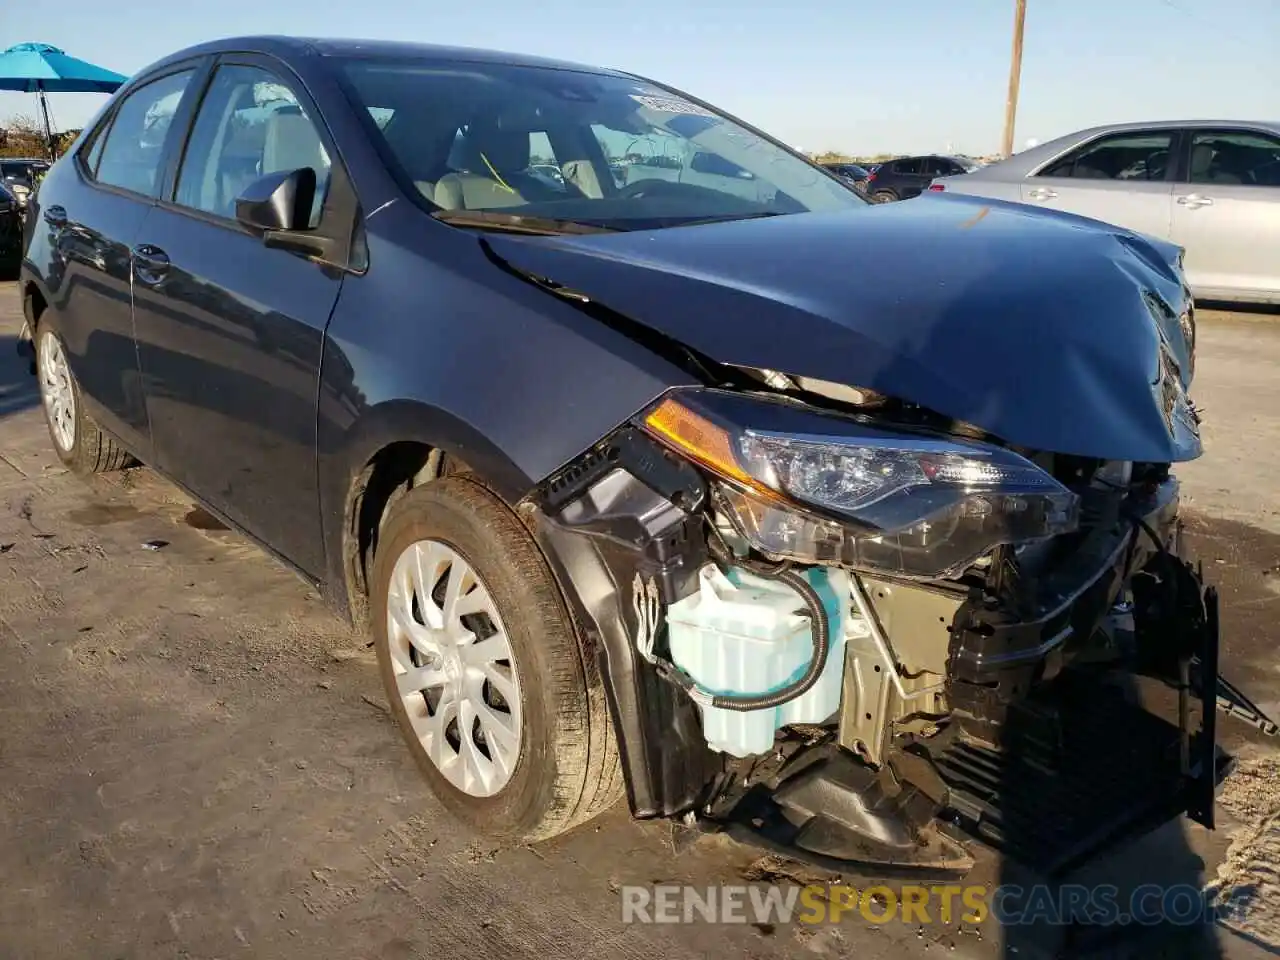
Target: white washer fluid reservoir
{"points": [[742, 634]]}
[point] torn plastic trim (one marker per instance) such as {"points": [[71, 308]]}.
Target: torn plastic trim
{"points": [[627, 512]]}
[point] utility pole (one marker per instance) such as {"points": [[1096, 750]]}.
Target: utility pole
{"points": [[1015, 73]]}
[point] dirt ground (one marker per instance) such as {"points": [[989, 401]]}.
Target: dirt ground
{"points": [[196, 758]]}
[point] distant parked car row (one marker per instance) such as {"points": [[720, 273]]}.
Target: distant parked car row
{"points": [[1212, 187], [855, 173]]}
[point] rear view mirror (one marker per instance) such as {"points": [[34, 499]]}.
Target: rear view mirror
{"points": [[278, 201]]}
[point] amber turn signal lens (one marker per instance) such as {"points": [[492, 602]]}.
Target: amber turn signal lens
{"points": [[701, 440]]}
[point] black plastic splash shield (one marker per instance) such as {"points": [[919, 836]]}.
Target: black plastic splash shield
{"points": [[1081, 770]]}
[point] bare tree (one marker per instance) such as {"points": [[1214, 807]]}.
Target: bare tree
{"points": [[24, 137]]}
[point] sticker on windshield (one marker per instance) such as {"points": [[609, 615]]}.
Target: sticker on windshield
{"points": [[670, 105]]}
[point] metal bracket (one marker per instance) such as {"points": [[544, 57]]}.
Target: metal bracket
{"points": [[1234, 703], [1203, 784]]}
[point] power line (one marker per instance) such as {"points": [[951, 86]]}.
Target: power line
{"points": [[1216, 26]]}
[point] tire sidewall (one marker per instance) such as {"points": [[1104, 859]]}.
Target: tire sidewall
{"points": [[69, 457], [427, 513]]}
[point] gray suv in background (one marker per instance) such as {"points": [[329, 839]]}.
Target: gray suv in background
{"points": [[1210, 186]]}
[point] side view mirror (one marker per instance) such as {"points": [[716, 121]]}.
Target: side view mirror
{"points": [[278, 201]]}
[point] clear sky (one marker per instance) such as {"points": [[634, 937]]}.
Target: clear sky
{"points": [[857, 76]]}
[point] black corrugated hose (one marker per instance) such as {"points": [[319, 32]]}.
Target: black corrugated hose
{"points": [[783, 573]]}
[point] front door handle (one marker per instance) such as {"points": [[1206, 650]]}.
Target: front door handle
{"points": [[55, 217], [1195, 201], [1042, 193], [150, 263]]}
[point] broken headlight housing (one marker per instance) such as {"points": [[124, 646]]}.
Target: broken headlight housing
{"points": [[804, 486]]}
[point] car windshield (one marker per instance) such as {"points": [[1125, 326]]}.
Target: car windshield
{"points": [[566, 145]]}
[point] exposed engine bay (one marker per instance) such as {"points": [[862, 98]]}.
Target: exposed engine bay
{"points": [[856, 633]]}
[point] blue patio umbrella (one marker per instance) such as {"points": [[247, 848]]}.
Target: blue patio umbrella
{"points": [[40, 69]]}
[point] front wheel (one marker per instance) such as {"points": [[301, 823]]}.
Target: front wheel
{"points": [[482, 667], [76, 438]]}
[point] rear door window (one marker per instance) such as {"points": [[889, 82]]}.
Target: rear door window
{"points": [[1141, 155], [909, 168], [1241, 157], [936, 167], [134, 147]]}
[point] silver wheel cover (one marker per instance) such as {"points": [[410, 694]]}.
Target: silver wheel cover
{"points": [[454, 669], [56, 392]]}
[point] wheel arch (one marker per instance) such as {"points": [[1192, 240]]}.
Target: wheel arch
{"points": [[392, 448], [35, 304]]}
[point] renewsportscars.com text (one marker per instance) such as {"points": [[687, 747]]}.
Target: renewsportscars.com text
{"points": [[1008, 905]]}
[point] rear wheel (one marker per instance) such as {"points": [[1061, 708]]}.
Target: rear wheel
{"points": [[883, 196], [482, 667], [76, 438]]}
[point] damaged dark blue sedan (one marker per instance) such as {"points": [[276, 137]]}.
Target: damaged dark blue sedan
{"points": [[653, 458]]}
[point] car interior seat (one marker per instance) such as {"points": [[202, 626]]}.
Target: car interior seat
{"points": [[492, 156], [290, 143], [1201, 161], [582, 175]]}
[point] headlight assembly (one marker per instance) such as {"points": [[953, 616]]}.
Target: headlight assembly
{"points": [[820, 489]]}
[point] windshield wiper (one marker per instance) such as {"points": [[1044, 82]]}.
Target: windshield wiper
{"points": [[516, 223]]}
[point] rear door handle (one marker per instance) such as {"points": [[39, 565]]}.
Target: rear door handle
{"points": [[1195, 200], [55, 217], [1042, 193], [150, 263]]}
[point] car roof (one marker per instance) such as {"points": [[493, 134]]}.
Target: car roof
{"points": [[372, 49], [1172, 125]]}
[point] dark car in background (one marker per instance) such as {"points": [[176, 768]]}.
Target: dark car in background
{"points": [[639, 488], [908, 177], [853, 172], [10, 231], [21, 174]]}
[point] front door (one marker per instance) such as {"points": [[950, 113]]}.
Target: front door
{"points": [[230, 331], [1121, 179], [1227, 214]]}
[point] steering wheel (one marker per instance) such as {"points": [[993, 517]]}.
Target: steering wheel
{"points": [[643, 188]]}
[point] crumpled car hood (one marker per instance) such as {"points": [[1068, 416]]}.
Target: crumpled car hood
{"points": [[1043, 329]]}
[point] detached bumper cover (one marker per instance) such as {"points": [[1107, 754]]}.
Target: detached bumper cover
{"points": [[1083, 767], [1078, 762]]}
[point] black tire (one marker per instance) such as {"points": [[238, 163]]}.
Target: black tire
{"points": [[91, 450], [884, 196], [568, 769]]}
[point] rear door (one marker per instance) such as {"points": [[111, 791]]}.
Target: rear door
{"points": [[1119, 178], [230, 330], [102, 196], [1226, 213], [909, 177]]}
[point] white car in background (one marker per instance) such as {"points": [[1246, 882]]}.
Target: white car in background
{"points": [[1212, 187]]}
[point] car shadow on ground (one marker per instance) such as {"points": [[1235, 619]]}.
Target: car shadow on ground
{"points": [[18, 388], [1246, 310]]}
